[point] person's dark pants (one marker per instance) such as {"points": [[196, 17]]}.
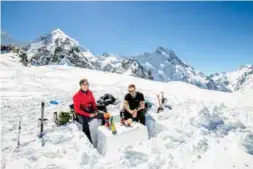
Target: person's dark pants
{"points": [[85, 124], [140, 115]]}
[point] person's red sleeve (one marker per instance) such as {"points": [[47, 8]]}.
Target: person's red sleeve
{"points": [[94, 105], [77, 109]]}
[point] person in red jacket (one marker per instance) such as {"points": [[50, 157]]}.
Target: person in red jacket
{"points": [[85, 106]]}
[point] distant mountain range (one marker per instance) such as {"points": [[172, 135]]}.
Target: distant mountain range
{"points": [[236, 80], [7, 39], [161, 64]]}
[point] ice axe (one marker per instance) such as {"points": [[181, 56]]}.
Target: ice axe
{"points": [[19, 132], [164, 101], [160, 108]]}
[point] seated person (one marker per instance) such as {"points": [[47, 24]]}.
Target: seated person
{"points": [[85, 106], [134, 106]]}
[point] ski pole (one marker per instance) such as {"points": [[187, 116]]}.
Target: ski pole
{"points": [[42, 124], [19, 132], [42, 117]]}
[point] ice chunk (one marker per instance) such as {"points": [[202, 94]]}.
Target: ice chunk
{"points": [[248, 143], [208, 120]]}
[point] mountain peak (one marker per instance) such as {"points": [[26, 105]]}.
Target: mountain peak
{"points": [[162, 50], [236, 80], [166, 52], [58, 32], [105, 54], [249, 66], [59, 35], [57, 48]]}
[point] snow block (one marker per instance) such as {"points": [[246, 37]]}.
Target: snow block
{"points": [[153, 126], [93, 126], [109, 144]]}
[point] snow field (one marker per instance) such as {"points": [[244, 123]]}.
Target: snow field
{"points": [[205, 129]]}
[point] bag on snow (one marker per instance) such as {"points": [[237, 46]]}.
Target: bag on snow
{"points": [[104, 101], [62, 118], [148, 104]]}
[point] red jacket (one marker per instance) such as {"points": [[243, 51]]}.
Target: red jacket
{"points": [[84, 100]]}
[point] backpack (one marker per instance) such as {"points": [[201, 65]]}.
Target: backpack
{"points": [[106, 99], [148, 104]]}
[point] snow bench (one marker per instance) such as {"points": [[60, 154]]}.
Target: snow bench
{"points": [[109, 144]]}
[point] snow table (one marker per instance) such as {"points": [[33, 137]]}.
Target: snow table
{"points": [[109, 144]]}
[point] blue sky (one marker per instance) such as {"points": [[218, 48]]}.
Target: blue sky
{"points": [[211, 36]]}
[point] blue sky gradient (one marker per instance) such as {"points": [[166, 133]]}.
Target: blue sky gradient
{"points": [[211, 36]]}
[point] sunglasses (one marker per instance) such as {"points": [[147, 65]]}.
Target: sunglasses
{"points": [[85, 84]]}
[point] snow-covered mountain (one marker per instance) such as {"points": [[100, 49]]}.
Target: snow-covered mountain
{"points": [[106, 62], [164, 65], [160, 65], [236, 80], [57, 48], [117, 64]]}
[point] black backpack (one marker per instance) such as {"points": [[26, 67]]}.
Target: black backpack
{"points": [[106, 99]]}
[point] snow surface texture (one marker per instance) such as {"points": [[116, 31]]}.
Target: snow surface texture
{"points": [[205, 129], [160, 65], [237, 80]]}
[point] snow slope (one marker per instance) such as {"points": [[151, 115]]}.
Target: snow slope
{"points": [[205, 129], [240, 79]]}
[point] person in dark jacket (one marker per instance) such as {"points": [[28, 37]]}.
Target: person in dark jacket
{"points": [[134, 105], [85, 106]]}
